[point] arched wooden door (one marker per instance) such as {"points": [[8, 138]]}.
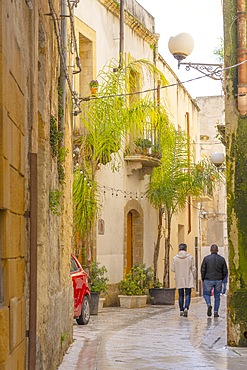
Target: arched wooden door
{"points": [[134, 249], [129, 243]]}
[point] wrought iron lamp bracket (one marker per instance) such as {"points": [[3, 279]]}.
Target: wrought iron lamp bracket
{"points": [[214, 71]]}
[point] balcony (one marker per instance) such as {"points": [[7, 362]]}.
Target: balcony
{"points": [[207, 196], [143, 163], [142, 155]]}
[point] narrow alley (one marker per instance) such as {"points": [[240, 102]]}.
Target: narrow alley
{"points": [[155, 337]]}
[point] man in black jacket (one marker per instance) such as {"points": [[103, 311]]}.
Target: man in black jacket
{"points": [[213, 271]]}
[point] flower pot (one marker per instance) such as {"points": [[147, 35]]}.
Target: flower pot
{"points": [[145, 151], [93, 90], [133, 301], [141, 301], [155, 154], [101, 304], [94, 303], [162, 296]]}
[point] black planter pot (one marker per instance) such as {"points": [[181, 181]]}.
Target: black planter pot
{"points": [[94, 303], [162, 296]]}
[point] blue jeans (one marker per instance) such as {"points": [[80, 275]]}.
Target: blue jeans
{"points": [[224, 288], [182, 304], [208, 285]]}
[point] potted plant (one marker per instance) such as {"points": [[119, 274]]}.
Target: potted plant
{"points": [[146, 145], [134, 287], [155, 150], [142, 145], [138, 145], [160, 295], [98, 284], [93, 84]]}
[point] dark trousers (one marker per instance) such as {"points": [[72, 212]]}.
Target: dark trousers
{"points": [[184, 296]]}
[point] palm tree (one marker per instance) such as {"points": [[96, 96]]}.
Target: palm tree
{"points": [[172, 183], [108, 120]]}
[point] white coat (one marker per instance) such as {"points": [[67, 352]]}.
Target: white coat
{"points": [[184, 267]]}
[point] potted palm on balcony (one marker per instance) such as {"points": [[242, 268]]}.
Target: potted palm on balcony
{"points": [[155, 150], [104, 125], [142, 145]]}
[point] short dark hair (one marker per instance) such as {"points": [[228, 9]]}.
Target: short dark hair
{"points": [[182, 247], [214, 248]]}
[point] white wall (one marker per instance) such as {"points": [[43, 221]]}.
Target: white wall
{"points": [[110, 246]]}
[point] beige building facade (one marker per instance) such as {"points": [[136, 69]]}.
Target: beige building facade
{"points": [[213, 214], [130, 222]]}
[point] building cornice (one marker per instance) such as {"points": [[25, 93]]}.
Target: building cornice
{"points": [[178, 81], [131, 21]]}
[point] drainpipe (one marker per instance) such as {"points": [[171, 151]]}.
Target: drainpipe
{"points": [[241, 56], [158, 92], [155, 59], [33, 263], [63, 60], [121, 43]]}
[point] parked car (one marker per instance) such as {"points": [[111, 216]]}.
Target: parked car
{"points": [[81, 291]]}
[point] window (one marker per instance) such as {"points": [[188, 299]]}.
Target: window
{"points": [[73, 265]]}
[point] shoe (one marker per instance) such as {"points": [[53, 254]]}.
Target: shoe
{"points": [[216, 314], [181, 313], [185, 312], [209, 312]]}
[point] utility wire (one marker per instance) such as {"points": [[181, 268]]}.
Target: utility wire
{"points": [[62, 52], [73, 38], [76, 99], [155, 88]]}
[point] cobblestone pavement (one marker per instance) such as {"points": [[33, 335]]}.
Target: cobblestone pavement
{"points": [[154, 338]]}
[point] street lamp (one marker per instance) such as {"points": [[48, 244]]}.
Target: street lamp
{"points": [[181, 46], [217, 159]]}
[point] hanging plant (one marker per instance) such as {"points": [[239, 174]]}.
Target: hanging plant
{"points": [[109, 122], [85, 200]]}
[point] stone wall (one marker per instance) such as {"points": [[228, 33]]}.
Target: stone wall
{"points": [[13, 247], [29, 72]]}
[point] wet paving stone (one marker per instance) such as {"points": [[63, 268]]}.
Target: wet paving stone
{"points": [[153, 338]]}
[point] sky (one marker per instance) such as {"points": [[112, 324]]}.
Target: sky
{"points": [[203, 20]]}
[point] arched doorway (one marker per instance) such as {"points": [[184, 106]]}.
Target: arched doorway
{"points": [[133, 251]]}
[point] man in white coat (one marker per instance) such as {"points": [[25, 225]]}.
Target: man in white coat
{"points": [[184, 267]]}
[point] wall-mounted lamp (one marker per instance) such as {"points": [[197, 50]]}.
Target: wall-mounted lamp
{"points": [[217, 159], [212, 215], [204, 137], [181, 46]]}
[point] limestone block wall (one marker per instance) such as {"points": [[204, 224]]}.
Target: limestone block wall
{"points": [[214, 221], [29, 73], [13, 246]]}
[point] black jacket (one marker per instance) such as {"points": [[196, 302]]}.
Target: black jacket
{"points": [[213, 267]]}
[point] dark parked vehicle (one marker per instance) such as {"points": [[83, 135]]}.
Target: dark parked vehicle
{"points": [[81, 291]]}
